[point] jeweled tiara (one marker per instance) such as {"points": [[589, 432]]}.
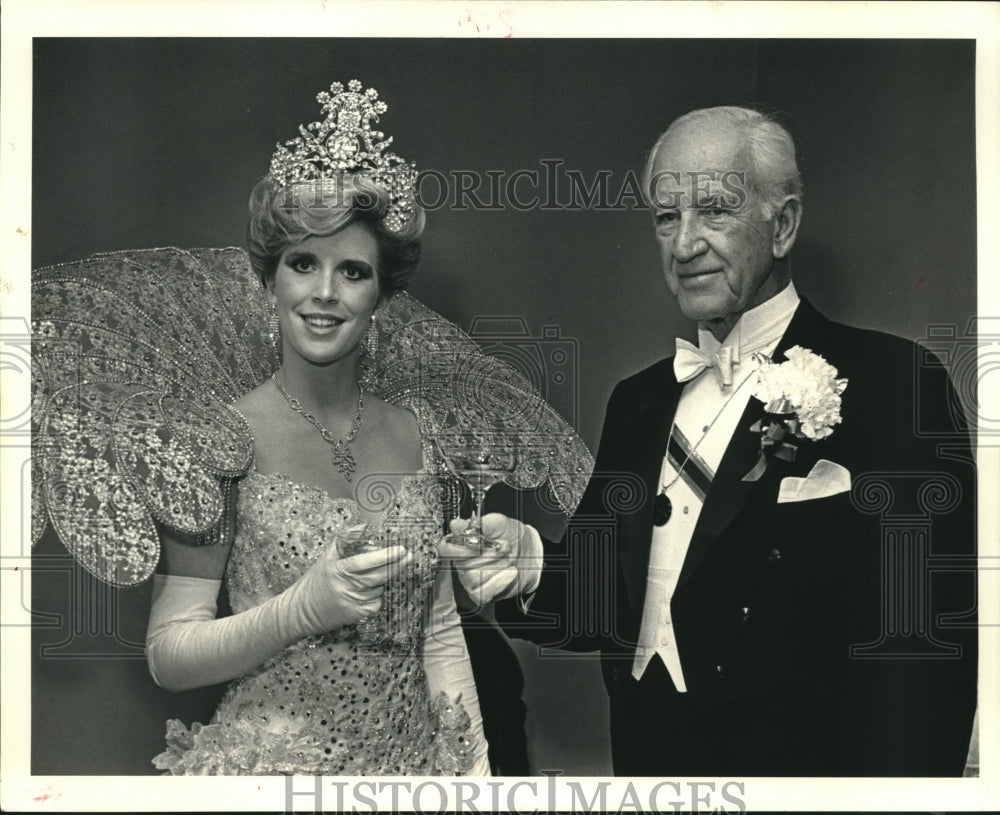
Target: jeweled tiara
{"points": [[344, 142]]}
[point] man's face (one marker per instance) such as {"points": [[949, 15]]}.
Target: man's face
{"points": [[718, 252]]}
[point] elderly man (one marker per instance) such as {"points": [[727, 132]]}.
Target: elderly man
{"points": [[776, 567]]}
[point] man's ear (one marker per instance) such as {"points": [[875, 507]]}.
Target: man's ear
{"points": [[786, 226]]}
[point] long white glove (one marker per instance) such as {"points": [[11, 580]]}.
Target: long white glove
{"points": [[448, 668], [511, 570], [186, 647]]}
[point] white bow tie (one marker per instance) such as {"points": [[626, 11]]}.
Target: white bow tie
{"points": [[690, 361]]}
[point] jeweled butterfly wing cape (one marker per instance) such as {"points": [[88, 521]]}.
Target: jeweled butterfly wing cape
{"points": [[138, 355]]}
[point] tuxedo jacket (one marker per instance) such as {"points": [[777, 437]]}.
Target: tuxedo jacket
{"points": [[833, 636]]}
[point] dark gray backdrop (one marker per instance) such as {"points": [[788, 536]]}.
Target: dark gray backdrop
{"points": [[147, 142]]}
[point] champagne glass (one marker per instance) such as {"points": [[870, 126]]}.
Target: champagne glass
{"points": [[480, 465], [353, 541]]}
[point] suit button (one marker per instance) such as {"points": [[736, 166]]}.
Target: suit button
{"points": [[616, 674], [775, 555], [719, 672], [745, 614]]}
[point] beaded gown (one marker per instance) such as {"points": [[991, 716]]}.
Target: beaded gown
{"points": [[356, 701], [137, 359]]}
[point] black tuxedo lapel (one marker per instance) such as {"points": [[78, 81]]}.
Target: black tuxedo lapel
{"points": [[728, 493], [655, 416]]}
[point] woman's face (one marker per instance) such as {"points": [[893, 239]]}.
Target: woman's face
{"points": [[325, 290]]}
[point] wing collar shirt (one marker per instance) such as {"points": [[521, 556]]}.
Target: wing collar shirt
{"points": [[706, 419]]}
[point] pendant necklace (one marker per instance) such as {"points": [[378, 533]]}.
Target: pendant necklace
{"points": [[662, 506], [343, 459]]}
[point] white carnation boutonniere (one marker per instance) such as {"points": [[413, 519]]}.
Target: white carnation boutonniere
{"points": [[802, 401]]}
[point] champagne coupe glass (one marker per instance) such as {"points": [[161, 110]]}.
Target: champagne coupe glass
{"points": [[479, 464], [353, 541]]}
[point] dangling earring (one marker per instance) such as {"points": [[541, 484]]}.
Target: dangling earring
{"points": [[371, 338], [274, 329]]}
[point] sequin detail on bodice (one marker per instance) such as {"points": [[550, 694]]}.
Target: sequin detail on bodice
{"points": [[354, 701]]}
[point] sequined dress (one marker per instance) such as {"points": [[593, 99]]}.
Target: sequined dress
{"points": [[355, 701]]}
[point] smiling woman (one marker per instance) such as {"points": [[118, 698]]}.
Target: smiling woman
{"points": [[281, 439], [324, 293]]}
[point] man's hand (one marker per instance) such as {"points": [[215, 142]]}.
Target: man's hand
{"points": [[512, 569]]}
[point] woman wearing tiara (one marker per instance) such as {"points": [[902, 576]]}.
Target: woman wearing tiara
{"points": [[280, 440]]}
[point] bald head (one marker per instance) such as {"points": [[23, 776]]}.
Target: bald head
{"points": [[765, 150]]}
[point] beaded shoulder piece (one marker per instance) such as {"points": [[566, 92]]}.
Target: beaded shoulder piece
{"points": [[137, 357]]}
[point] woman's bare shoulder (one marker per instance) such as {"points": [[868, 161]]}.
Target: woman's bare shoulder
{"points": [[256, 405], [398, 434], [396, 421]]}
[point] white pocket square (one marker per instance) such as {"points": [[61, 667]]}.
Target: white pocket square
{"points": [[824, 479]]}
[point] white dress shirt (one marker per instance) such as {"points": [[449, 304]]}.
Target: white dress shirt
{"points": [[706, 419]]}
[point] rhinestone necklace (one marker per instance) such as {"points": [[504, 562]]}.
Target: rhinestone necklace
{"points": [[662, 505], [343, 459]]}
